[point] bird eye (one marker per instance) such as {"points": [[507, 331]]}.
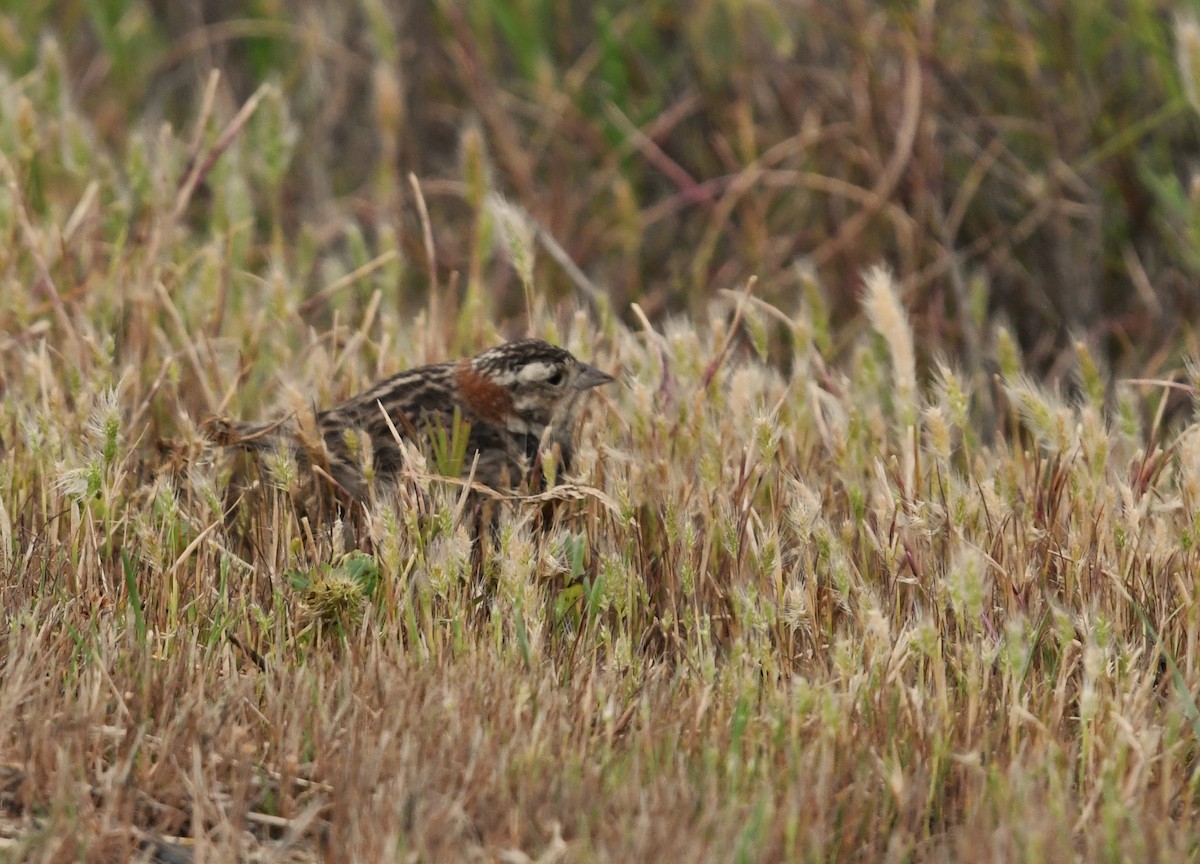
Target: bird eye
{"points": [[555, 378]]}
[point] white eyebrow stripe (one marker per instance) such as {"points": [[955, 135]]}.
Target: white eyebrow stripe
{"points": [[535, 371]]}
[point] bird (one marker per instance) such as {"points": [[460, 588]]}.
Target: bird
{"points": [[514, 403]]}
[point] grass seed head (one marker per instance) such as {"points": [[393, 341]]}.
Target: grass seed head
{"points": [[888, 317], [337, 599]]}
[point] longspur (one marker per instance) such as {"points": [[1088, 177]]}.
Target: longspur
{"points": [[514, 402]]}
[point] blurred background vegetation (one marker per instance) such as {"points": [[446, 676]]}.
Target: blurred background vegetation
{"points": [[1033, 159]]}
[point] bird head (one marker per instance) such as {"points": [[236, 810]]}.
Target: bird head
{"points": [[528, 385]]}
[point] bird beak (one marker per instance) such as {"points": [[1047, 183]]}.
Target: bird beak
{"points": [[591, 377]]}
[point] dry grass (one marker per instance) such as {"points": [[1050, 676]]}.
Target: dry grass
{"points": [[805, 599]]}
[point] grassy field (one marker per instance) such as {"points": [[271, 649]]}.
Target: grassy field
{"points": [[883, 547]]}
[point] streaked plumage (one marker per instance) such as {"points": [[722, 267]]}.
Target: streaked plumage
{"points": [[516, 400]]}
